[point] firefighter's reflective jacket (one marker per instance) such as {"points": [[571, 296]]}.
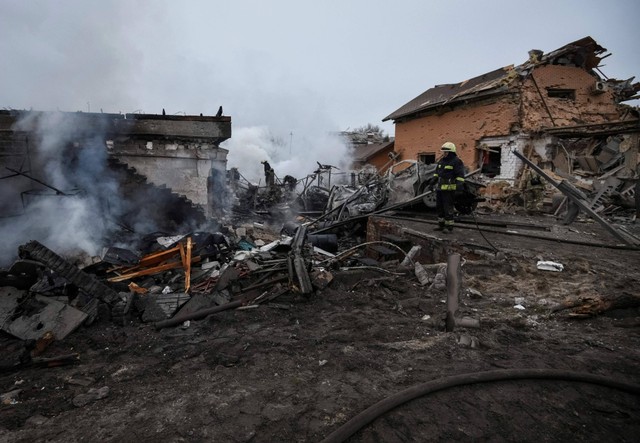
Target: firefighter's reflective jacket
{"points": [[449, 172]]}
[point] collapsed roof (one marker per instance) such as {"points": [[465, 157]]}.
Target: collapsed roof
{"points": [[584, 53]]}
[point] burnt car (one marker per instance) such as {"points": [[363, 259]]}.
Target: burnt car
{"points": [[404, 181]]}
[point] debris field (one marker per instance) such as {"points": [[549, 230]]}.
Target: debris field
{"points": [[256, 335]]}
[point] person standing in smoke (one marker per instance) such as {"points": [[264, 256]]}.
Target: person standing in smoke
{"points": [[449, 174], [269, 174]]}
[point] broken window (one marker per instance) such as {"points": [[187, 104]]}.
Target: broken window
{"points": [[490, 161], [427, 157], [569, 94]]}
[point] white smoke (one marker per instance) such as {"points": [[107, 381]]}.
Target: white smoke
{"points": [[69, 155], [292, 154]]}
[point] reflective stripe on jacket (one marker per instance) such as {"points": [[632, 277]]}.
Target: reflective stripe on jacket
{"points": [[449, 172]]}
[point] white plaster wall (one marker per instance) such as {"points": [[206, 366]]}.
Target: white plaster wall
{"points": [[182, 167]]}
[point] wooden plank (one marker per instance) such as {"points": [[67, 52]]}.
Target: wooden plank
{"points": [[151, 271], [152, 259], [187, 266], [158, 257]]}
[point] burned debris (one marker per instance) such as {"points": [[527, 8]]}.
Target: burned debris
{"points": [[175, 276], [183, 278]]}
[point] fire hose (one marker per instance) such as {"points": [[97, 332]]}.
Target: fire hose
{"points": [[383, 406]]}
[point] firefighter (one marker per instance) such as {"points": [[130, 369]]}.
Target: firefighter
{"points": [[269, 174], [450, 181]]}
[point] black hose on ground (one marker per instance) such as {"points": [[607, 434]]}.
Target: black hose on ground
{"points": [[482, 233], [383, 406]]}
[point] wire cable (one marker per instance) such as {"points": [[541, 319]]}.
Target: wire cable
{"points": [[473, 214]]}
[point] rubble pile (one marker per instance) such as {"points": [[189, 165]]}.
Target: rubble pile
{"points": [[169, 280], [597, 167], [172, 280], [599, 170], [332, 287], [170, 277]]}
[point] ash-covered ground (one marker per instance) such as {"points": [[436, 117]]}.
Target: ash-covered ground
{"points": [[297, 368]]}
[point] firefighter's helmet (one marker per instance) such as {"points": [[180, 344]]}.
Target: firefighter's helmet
{"points": [[448, 147]]}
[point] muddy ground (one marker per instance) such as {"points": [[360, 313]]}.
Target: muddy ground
{"points": [[298, 368]]}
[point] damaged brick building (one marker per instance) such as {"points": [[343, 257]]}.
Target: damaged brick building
{"points": [[556, 108]]}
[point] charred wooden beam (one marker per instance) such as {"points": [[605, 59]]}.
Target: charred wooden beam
{"points": [[585, 307]]}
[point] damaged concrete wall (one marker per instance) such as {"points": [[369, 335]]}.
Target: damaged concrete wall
{"points": [[180, 165], [177, 152], [464, 126]]}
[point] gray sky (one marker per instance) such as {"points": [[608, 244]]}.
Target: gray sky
{"points": [[287, 65]]}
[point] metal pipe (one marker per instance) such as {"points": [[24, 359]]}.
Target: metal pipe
{"points": [[570, 192], [453, 290], [379, 211], [340, 206]]}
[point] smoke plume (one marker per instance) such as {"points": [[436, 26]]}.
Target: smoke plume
{"points": [[69, 214], [287, 153]]}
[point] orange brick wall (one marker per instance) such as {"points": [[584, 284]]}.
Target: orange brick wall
{"points": [[587, 107], [381, 159], [462, 126]]}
